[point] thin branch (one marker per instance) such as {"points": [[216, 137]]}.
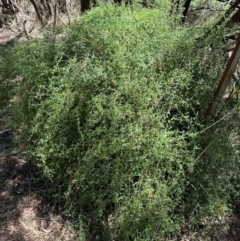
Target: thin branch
{"points": [[186, 8], [200, 132], [37, 11], [55, 15], [68, 12]]}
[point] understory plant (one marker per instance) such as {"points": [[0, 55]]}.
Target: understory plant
{"points": [[112, 111]]}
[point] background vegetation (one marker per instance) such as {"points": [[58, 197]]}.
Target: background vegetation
{"points": [[112, 109]]}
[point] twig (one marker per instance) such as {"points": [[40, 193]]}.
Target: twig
{"points": [[14, 4], [55, 16], [61, 20], [68, 12], [214, 123], [46, 219], [7, 131], [213, 141]]}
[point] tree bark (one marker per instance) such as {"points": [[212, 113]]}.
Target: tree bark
{"points": [[37, 11], [55, 15], [68, 12], [85, 5], [228, 12], [49, 7], [236, 17], [229, 70], [185, 11]]}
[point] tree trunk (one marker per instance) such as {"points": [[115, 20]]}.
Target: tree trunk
{"points": [[185, 11], [229, 70], [236, 17], [68, 12], [49, 7], [37, 11], [145, 3], [85, 5]]}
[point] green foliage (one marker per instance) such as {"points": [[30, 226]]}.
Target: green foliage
{"points": [[111, 112]]}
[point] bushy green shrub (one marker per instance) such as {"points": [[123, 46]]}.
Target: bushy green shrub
{"points": [[111, 112]]}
